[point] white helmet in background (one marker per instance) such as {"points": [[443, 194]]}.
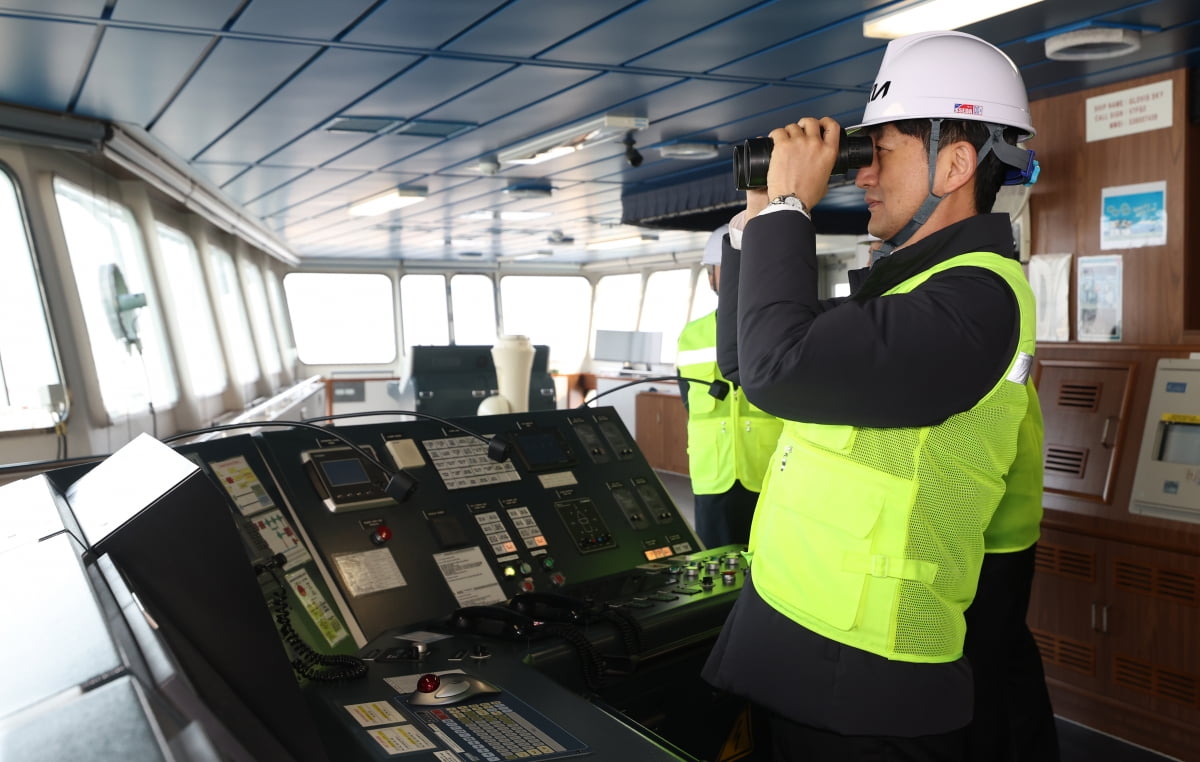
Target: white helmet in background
{"points": [[948, 75], [712, 249]]}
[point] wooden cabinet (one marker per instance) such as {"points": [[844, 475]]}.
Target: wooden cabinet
{"points": [[1117, 625], [662, 431], [1085, 404]]}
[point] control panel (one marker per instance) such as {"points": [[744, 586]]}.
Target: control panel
{"points": [[573, 501]]}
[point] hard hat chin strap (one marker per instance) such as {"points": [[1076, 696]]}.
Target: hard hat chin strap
{"points": [[927, 206]]}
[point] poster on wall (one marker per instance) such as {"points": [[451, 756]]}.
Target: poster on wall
{"points": [[1133, 216], [1099, 298]]}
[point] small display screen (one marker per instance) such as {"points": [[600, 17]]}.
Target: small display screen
{"points": [[344, 471], [1181, 444], [543, 449]]}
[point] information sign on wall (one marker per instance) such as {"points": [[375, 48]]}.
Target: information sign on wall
{"points": [[1127, 112]]}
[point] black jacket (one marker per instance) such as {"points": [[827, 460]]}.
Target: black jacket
{"points": [[909, 359]]}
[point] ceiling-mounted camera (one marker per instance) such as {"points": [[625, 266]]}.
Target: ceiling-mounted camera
{"points": [[632, 155], [753, 157]]}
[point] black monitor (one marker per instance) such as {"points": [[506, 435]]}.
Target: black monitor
{"points": [[171, 535]]}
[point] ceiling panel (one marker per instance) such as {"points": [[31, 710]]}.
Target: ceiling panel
{"points": [[381, 152], [41, 61], [317, 148], [643, 28], [218, 173], [527, 28], [210, 14], [329, 184], [86, 8], [334, 81], [421, 24], [316, 19], [107, 93], [244, 73], [426, 85], [257, 181]]}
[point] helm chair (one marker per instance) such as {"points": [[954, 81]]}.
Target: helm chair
{"points": [[952, 75]]}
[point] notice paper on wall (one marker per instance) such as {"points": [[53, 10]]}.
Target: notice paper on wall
{"points": [[1050, 277], [1099, 299]]}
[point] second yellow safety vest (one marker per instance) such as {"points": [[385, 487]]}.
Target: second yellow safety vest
{"points": [[727, 439]]}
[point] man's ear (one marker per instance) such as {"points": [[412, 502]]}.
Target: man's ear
{"points": [[956, 167]]}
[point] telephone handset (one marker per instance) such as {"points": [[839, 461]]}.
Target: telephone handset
{"points": [[499, 621], [551, 606]]}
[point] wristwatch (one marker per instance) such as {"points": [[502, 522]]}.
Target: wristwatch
{"points": [[789, 200]]}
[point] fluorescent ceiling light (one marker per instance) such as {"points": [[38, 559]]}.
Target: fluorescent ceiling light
{"points": [[627, 242], [523, 216], [483, 216], [529, 190], [935, 15], [570, 139], [387, 201]]}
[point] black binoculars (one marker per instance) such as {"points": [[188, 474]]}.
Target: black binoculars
{"points": [[753, 157]]}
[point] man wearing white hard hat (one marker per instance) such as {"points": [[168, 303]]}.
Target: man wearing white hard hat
{"points": [[912, 435], [729, 440]]}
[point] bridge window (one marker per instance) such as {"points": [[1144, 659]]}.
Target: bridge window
{"points": [[260, 318], [473, 304], [665, 307], [614, 295], [231, 311], [30, 380], [551, 310], [423, 312], [128, 343], [200, 349], [279, 317], [342, 318]]}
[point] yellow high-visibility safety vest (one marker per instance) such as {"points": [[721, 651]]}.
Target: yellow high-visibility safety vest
{"points": [[874, 537], [727, 439]]}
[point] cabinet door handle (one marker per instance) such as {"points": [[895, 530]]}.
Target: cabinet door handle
{"points": [[1104, 618], [1093, 616], [1110, 426]]}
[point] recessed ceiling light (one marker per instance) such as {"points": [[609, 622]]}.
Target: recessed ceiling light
{"points": [[371, 125], [432, 128], [1092, 44], [693, 151]]}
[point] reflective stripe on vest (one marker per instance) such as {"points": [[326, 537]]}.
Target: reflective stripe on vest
{"points": [[727, 439], [874, 537]]}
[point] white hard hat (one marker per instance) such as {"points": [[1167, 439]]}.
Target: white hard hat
{"points": [[948, 75], [712, 249]]}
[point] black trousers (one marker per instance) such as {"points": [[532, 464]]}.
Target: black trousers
{"points": [[793, 742], [1013, 720], [725, 519]]}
